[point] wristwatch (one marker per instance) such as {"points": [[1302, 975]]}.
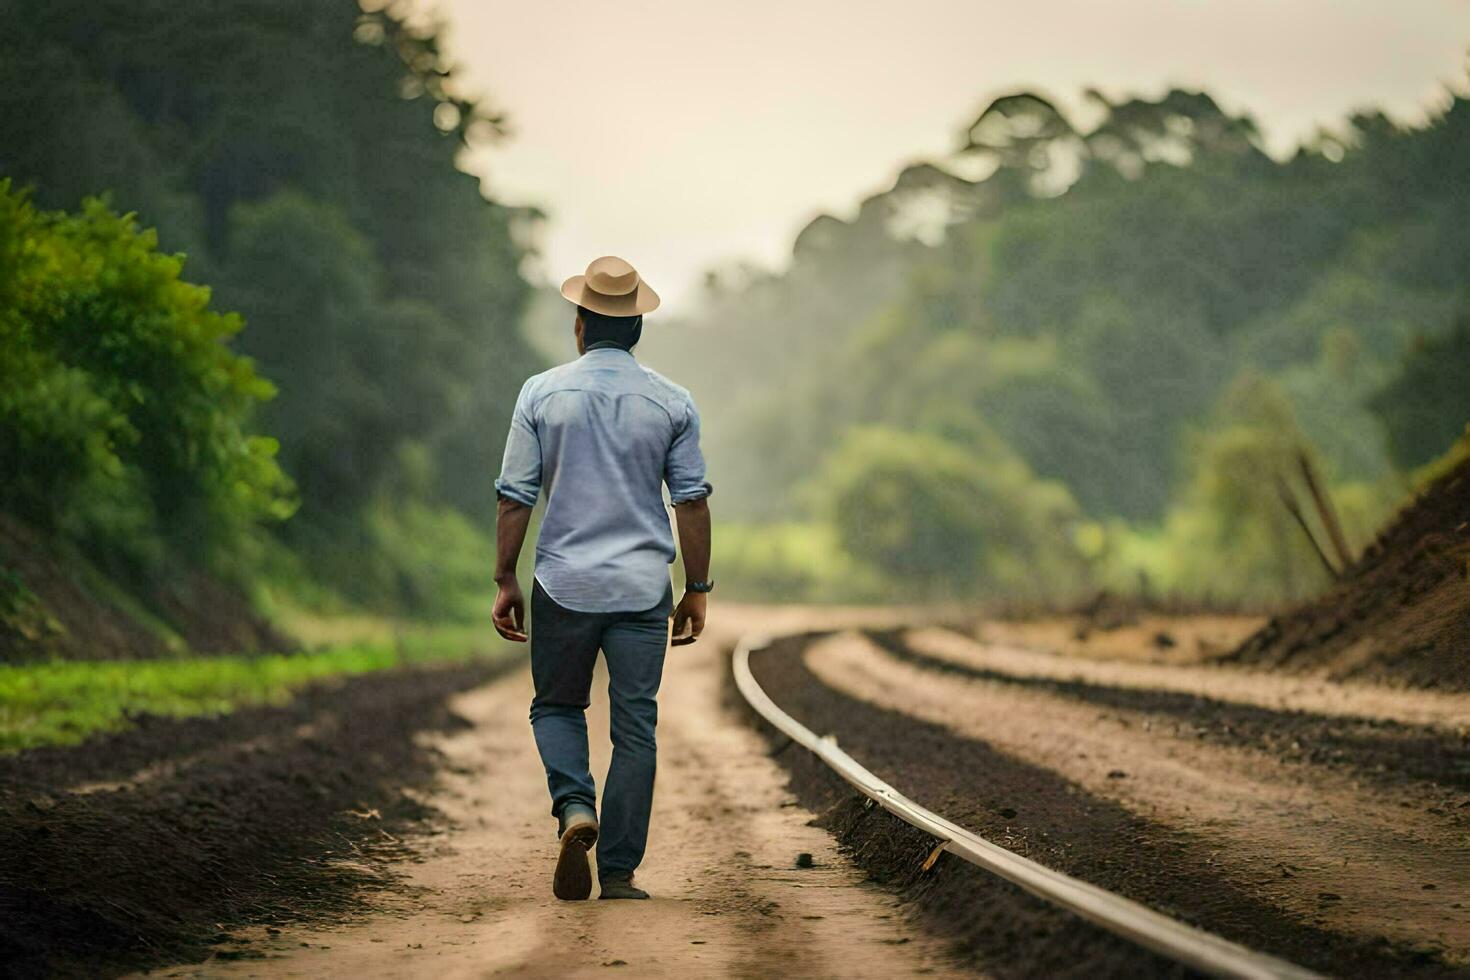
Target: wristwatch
{"points": [[700, 586]]}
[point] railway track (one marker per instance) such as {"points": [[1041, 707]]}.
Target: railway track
{"points": [[1131, 920]]}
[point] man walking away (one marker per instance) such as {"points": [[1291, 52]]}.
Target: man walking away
{"points": [[602, 435]]}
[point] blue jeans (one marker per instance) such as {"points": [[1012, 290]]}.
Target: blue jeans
{"points": [[564, 645]]}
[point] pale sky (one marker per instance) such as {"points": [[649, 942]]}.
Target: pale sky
{"points": [[685, 133]]}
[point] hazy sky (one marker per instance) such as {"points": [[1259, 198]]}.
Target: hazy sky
{"points": [[683, 133]]}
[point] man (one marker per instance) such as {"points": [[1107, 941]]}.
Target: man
{"points": [[602, 435]]}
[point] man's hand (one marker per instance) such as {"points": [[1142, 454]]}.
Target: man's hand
{"points": [[509, 612], [693, 519], [689, 618]]}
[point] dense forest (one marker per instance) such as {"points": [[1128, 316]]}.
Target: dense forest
{"points": [[322, 412], [1075, 357], [254, 320]]}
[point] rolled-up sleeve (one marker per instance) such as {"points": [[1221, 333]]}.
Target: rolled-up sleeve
{"points": [[520, 470], [684, 467]]}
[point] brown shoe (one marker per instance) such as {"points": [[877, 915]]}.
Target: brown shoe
{"points": [[621, 886], [572, 881]]}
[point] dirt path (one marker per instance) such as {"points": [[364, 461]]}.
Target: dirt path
{"points": [[729, 900]]}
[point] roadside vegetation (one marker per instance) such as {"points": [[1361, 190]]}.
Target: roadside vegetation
{"points": [[254, 325], [63, 702]]}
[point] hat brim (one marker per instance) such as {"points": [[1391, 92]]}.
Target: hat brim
{"points": [[641, 300]]}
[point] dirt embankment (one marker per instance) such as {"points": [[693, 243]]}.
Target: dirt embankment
{"points": [[1026, 786], [54, 603], [132, 849], [1400, 615]]}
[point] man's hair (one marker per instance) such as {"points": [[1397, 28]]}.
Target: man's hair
{"points": [[621, 330]]}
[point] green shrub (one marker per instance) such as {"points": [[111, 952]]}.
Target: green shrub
{"points": [[793, 561], [123, 413], [945, 522], [1229, 536], [1427, 405]]}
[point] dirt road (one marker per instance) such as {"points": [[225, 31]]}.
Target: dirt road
{"points": [[729, 898], [1321, 822]]}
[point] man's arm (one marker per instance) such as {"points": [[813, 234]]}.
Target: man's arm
{"points": [[509, 613], [517, 487], [689, 491], [693, 519]]}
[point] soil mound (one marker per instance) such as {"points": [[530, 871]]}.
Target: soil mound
{"points": [[1400, 615], [142, 848], [56, 603], [1040, 813]]}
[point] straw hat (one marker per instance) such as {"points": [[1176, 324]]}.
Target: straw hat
{"points": [[611, 286]]}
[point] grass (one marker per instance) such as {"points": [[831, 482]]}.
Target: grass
{"points": [[64, 702]]}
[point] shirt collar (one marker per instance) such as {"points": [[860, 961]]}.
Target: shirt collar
{"points": [[607, 347]]}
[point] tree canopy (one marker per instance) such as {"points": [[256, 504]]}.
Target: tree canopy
{"points": [[124, 418], [1094, 306], [303, 156]]}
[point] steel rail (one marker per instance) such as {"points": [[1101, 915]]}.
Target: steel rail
{"points": [[1124, 917]]}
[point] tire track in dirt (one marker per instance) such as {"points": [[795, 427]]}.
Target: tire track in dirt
{"points": [[1385, 750], [1446, 712]]}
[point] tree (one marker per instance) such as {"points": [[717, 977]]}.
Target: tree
{"points": [[946, 523], [123, 414], [1033, 146], [1427, 406], [360, 371], [305, 155]]}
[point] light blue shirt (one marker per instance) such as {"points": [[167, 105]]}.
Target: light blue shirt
{"points": [[602, 435]]}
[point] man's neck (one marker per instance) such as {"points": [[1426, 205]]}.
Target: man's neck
{"points": [[606, 345]]}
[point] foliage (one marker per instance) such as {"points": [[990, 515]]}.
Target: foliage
{"points": [[1231, 505], [22, 612], [1029, 356], [790, 562], [1427, 405], [429, 560], [123, 414], [1458, 452], [377, 369], [305, 156], [1096, 305], [933, 519]]}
